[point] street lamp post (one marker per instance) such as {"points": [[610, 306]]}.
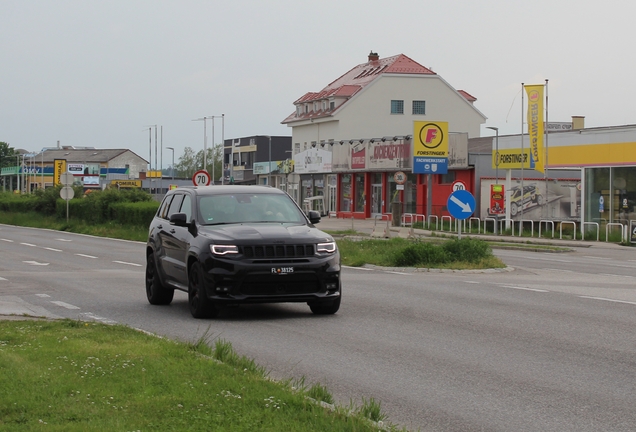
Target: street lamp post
{"points": [[496, 129], [269, 163], [172, 148]]}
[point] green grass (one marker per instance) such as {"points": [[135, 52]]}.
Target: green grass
{"points": [[76, 376], [456, 254]]}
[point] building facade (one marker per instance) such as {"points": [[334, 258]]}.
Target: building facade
{"points": [[351, 138]]}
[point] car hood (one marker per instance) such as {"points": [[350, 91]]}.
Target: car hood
{"points": [[264, 233]]}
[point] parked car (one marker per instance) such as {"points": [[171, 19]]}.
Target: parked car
{"points": [[232, 245], [531, 195]]}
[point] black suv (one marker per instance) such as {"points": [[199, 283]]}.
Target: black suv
{"points": [[228, 245]]}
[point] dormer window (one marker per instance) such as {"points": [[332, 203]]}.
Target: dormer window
{"points": [[315, 107], [299, 110], [324, 105], [306, 109]]}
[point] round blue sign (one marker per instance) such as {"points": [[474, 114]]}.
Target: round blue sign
{"points": [[461, 204]]}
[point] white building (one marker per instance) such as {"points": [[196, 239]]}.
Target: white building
{"points": [[337, 133]]}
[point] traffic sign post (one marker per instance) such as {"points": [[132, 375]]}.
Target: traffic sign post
{"points": [[201, 178], [67, 193], [461, 205]]}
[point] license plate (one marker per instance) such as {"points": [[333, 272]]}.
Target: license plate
{"points": [[282, 270]]}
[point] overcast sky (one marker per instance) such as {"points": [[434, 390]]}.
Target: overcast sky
{"points": [[97, 73]]}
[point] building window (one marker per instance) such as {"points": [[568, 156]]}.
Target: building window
{"points": [[397, 107], [447, 178], [419, 107], [332, 105], [299, 110], [324, 105]]}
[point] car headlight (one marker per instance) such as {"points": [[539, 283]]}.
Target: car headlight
{"points": [[224, 249], [325, 248]]}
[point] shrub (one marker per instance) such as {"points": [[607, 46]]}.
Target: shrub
{"points": [[420, 253], [467, 250]]}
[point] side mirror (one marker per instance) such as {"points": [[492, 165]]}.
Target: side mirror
{"points": [[314, 216], [179, 219]]}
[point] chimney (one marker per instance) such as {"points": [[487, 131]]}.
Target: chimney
{"points": [[578, 122], [373, 56]]}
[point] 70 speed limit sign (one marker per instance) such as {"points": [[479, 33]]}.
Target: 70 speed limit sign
{"points": [[201, 178]]}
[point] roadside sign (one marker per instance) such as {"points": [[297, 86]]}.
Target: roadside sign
{"points": [[399, 177], [459, 185], [430, 165], [67, 193], [461, 204], [67, 179], [201, 178]]}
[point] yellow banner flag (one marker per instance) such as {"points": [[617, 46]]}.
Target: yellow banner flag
{"points": [[535, 125]]}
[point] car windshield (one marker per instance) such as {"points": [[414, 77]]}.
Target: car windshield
{"points": [[248, 208]]}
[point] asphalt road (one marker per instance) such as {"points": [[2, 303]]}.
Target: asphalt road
{"points": [[549, 346]]}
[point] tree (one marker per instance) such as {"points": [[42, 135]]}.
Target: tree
{"points": [[191, 162], [7, 158]]}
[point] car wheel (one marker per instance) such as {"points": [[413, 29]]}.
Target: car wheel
{"points": [[540, 199], [200, 305], [513, 209], [328, 308], [157, 293]]}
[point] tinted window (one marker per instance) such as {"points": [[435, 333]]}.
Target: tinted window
{"points": [[186, 207], [163, 210], [175, 205]]}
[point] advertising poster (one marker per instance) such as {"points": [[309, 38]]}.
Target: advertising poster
{"points": [[497, 199]]}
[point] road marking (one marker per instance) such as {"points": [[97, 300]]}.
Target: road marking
{"points": [[620, 265], [65, 305], [609, 300], [560, 270], [1, 278], [7, 240], [524, 288], [53, 249], [87, 256], [399, 273], [596, 258], [127, 263], [472, 282], [358, 268], [35, 263], [91, 315], [43, 295], [64, 240], [27, 244], [547, 259]]}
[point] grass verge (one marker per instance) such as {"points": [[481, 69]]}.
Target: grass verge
{"points": [[76, 376]]}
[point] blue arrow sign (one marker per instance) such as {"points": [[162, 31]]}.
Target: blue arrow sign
{"points": [[461, 204]]}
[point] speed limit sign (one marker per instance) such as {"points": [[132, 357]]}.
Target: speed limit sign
{"points": [[459, 185], [201, 178]]}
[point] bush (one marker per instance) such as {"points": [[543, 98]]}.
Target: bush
{"points": [[134, 213], [420, 253], [467, 250]]}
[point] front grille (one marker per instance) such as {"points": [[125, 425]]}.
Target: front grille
{"points": [[278, 251], [304, 283]]}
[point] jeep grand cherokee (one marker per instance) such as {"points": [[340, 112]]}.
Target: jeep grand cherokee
{"points": [[230, 245]]}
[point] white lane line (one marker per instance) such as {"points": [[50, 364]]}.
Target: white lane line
{"points": [[35, 263], [43, 295], [620, 265], [357, 268], [596, 258], [7, 240], [87, 256], [53, 249], [548, 259], [27, 244], [609, 300], [472, 282], [1, 278], [64, 240], [65, 305], [399, 273], [127, 263], [559, 270], [524, 288], [92, 316]]}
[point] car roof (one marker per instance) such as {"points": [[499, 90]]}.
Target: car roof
{"points": [[229, 189]]}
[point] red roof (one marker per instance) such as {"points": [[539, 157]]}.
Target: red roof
{"points": [[357, 78]]}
